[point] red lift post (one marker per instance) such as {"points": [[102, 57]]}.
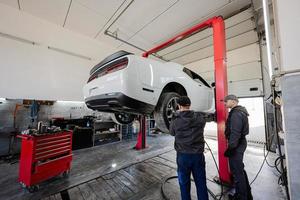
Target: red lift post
{"points": [[141, 138], [219, 43]]}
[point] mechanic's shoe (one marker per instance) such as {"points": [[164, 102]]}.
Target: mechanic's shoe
{"points": [[233, 197]]}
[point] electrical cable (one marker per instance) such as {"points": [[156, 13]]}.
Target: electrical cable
{"points": [[265, 146], [263, 163], [222, 189], [175, 177], [277, 163], [283, 174]]}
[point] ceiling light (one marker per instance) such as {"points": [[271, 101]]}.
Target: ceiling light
{"points": [[69, 101]]}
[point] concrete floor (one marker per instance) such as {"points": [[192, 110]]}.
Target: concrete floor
{"points": [[96, 162]]}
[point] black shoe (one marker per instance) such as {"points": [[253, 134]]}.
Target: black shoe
{"points": [[234, 197], [249, 196]]}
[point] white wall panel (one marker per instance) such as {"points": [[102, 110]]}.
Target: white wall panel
{"points": [[243, 70], [245, 54], [242, 88], [36, 72], [289, 31], [233, 43]]}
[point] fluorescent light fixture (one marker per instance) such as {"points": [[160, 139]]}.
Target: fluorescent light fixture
{"points": [[268, 35], [17, 38], [69, 101], [2, 99], [114, 165], [152, 75], [69, 53]]}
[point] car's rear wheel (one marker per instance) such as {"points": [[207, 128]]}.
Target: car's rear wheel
{"points": [[122, 118], [165, 110]]}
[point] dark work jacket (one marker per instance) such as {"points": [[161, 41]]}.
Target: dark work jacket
{"points": [[187, 127], [237, 127]]}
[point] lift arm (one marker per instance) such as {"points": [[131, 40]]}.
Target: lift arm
{"points": [[219, 43]]}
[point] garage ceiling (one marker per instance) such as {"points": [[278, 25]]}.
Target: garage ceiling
{"points": [[144, 23]]}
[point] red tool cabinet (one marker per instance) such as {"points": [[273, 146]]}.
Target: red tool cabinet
{"points": [[43, 157]]}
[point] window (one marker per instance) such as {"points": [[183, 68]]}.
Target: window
{"points": [[195, 76]]}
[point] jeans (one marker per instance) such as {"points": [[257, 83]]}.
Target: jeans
{"points": [[192, 164], [241, 182]]}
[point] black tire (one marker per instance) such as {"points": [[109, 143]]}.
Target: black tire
{"points": [[122, 118], [163, 114]]}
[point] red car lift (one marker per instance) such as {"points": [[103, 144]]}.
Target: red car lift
{"points": [[219, 43], [141, 140]]}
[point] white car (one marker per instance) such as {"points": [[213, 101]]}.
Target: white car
{"points": [[128, 85]]}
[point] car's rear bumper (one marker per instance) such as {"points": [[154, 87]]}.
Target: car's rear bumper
{"points": [[118, 102]]}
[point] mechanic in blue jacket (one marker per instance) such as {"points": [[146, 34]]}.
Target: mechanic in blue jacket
{"points": [[187, 127], [237, 127]]}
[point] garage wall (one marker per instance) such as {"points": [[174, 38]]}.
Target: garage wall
{"points": [[40, 60], [61, 109], [287, 21]]}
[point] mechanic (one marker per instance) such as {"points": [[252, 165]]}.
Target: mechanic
{"points": [[237, 127], [187, 127]]}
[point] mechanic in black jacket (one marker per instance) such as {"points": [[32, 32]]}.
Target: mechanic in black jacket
{"points": [[237, 127], [187, 127]]}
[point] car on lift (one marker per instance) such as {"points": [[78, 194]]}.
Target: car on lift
{"points": [[127, 85]]}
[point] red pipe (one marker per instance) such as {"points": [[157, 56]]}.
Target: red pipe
{"points": [[219, 44]]}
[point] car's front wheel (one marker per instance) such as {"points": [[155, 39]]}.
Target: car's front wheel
{"points": [[164, 110], [122, 118]]}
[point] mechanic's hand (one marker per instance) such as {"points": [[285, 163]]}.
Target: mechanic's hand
{"points": [[228, 152]]}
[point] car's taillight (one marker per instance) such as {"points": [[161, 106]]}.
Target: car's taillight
{"points": [[114, 66]]}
